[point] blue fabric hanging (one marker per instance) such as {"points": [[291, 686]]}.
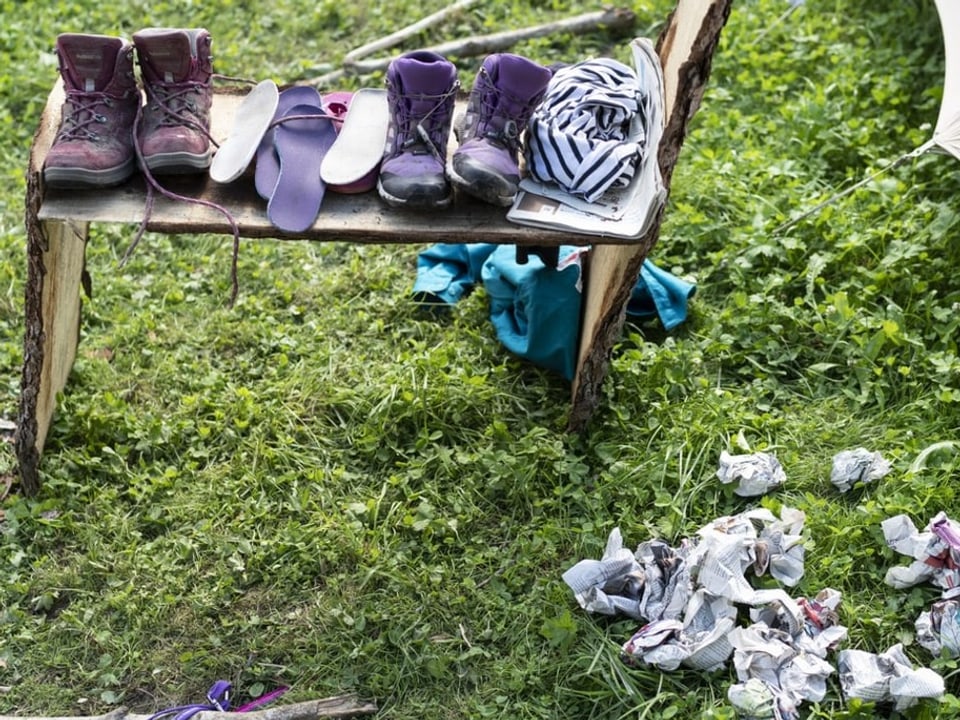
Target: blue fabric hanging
{"points": [[447, 273], [658, 294], [535, 309]]}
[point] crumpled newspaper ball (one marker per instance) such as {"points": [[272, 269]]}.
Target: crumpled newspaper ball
{"points": [[757, 472], [859, 465]]}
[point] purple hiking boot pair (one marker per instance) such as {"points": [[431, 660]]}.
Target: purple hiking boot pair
{"points": [[421, 88], [105, 127]]}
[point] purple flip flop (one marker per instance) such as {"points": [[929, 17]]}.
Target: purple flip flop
{"points": [[301, 145], [267, 163]]}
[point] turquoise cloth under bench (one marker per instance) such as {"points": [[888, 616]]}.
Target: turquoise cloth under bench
{"points": [[535, 309]]}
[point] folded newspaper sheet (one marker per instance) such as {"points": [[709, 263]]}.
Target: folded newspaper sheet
{"points": [[887, 677], [626, 212]]}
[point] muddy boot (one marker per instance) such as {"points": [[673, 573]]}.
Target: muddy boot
{"points": [[176, 66], [94, 145], [421, 89], [506, 91]]}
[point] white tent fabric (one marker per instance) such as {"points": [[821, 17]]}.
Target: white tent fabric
{"points": [[947, 133]]}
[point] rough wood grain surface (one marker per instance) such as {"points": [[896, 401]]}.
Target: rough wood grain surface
{"points": [[55, 272], [686, 48]]}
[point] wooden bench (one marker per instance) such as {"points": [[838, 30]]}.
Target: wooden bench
{"points": [[57, 224]]}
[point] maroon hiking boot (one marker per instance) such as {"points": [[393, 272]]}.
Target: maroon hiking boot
{"points": [[421, 91], [94, 144], [507, 90], [176, 65]]}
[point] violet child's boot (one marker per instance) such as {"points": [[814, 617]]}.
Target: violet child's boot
{"points": [[94, 144], [507, 90], [176, 66], [421, 90]]}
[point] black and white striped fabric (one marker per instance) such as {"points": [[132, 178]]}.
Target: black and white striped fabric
{"points": [[583, 136]]}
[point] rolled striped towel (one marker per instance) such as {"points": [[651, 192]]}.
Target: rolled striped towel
{"points": [[588, 133]]}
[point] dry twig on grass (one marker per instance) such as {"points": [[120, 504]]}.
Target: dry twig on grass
{"points": [[339, 706], [607, 19], [409, 31]]}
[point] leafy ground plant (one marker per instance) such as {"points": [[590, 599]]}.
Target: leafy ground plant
{"points": [[324, 487]]}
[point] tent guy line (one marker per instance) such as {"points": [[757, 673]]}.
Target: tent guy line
{"points": [[946, 134]]}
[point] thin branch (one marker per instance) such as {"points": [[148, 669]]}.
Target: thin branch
{"points": [[610, 19], [409, 31], [340, 706]]}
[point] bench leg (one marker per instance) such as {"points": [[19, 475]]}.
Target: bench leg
{"points": [[54, 277], [686, 47], [611, 273]]}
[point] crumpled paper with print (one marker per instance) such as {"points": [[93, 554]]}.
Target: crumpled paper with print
{"points": [[938, 629], [857, 466], [730, 545], [822, 631], [754, 700], [786, 646], [755, 473], [700, 641], [650, 584], [608, 585], [813, 624], [936, 553], [666, 580], [887, 677], [714, 564]]}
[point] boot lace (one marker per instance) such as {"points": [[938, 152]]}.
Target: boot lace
{"points": [[177, 106], [512, 111], [170, 98], [154, 186], [424, 130], [82, 114]]}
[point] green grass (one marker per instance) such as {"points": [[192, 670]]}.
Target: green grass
{"points": [[326, 488]]}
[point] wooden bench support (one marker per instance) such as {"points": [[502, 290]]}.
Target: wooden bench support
{"points": [[55, 273], [686, 48], [57, 223]]}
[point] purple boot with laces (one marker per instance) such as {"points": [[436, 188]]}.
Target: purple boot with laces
{"points": [[507, 90], [94, 144], [421, 89], [174, 132]]}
